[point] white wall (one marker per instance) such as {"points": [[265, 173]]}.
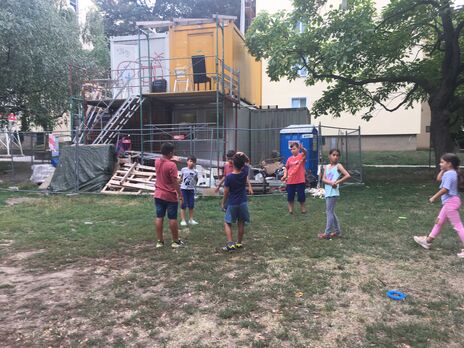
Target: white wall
{"points": [[281, 93]]}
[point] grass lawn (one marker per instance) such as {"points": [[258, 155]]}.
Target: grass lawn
{"points": [[83, 271], [401, 157]]}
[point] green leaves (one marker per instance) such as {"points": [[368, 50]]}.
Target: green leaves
{"points": [[366, 56]]}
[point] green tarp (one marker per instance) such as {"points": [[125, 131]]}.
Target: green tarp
{"points": [[88, 166]]}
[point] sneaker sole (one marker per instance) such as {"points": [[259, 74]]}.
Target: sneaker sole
{"points": [[425, 246]]}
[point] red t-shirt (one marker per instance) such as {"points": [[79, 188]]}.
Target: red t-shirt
{"points": [[228, 168], [166, 179], [296, 173]]}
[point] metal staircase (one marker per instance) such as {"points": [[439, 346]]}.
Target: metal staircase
{"points": [[118, 120]]}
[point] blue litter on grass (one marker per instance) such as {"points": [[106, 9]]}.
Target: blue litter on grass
{"points": [[396, 295]]}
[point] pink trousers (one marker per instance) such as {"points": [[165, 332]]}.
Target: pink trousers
{"points": [[450, 211]]}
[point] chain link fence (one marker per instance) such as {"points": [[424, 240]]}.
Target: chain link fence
{"points": [[29, 159]]}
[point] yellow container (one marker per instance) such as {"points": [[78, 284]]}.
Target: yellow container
{"points": [[186, 41]]}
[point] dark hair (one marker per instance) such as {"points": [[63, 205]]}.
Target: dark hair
{"points": [[455, 162], [297, 144], [193, 158], [230, 154], [333, 150], [239, 160], [167, 148]]}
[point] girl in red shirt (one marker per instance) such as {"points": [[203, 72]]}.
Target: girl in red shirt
{"points": [[295, 176]]}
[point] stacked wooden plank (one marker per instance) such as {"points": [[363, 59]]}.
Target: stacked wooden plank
{"points": [[132, 179]]}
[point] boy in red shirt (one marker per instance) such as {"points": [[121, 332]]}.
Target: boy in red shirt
{"points": [[228, 168], [295, 175], [167, 193]]}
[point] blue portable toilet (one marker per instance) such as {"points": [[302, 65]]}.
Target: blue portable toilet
{"points": [[305, 134]]}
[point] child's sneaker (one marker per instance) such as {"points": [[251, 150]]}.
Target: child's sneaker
{"points": [[159, 244], [183, 223], [422, 241], [324, 236], [461, 254], [177, 244], [230, 246], [193, 222], [238, 245]]}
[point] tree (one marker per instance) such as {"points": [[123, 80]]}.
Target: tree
{"points": [[39, 39], [409, 52], [120, 16]]}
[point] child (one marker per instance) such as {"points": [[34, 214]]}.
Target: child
{"points": [[167, 192], [295, 175], [235, 193], [331, 178], [189, 178], [451, 182], [228, 168]]}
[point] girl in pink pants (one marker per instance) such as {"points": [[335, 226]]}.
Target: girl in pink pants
{"points": [[449, 194]]}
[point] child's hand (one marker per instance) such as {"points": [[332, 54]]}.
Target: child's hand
{"points": [[284, 178], [216, 189], [432, 199], [175, 159], [250, 191]]}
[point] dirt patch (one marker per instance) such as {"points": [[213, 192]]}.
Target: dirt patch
{"points": [[22, 200]]}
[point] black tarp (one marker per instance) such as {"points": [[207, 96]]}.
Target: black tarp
{"points": [[92, 165]]}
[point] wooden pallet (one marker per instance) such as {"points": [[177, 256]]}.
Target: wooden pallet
{"points": [[132, 179]]}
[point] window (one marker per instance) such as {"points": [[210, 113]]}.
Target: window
{"points": [[73, 4], [186, 117], [300, 27], [303, 72], [298, 102]]}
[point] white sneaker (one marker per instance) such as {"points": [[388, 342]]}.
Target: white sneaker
{"points": [[193, 222], [422, 241], [461, 254], [183, 223]]}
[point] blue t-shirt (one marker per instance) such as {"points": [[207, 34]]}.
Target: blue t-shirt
{"points": [[449, 181], [332, 174], [237, 186]]}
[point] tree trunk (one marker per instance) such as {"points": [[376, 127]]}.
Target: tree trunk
{"points": [[440, 133]]}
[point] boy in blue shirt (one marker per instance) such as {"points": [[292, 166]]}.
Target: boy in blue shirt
{"points": [[235, 195]]}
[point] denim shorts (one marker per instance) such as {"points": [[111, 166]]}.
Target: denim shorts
{"points": [[299, 189], [188, 200], [237, 212], [162, 206]]}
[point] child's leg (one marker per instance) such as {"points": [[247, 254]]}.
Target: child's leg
{"points": [[182, 214], [452, 213], [172, 216], [329, 210], [174, 227], [291, 190], [228, 231], [159, 228], [191, 214], [301, 196], [184, 204], [441, 219], [241, 231], [336, 221]]}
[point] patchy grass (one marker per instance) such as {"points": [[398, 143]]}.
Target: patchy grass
{"points": [[421, 157], [83, 270]]}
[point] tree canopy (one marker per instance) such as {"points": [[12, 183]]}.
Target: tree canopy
{"points": [[39, 45], [409, 52], [120, 15]]}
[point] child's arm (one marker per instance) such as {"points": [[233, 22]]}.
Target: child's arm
{"points": [[440, 175], [303, 150], [220, 184], [224, 198], [345, 174], [250, 188], [437, 195], [324, 178]]}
